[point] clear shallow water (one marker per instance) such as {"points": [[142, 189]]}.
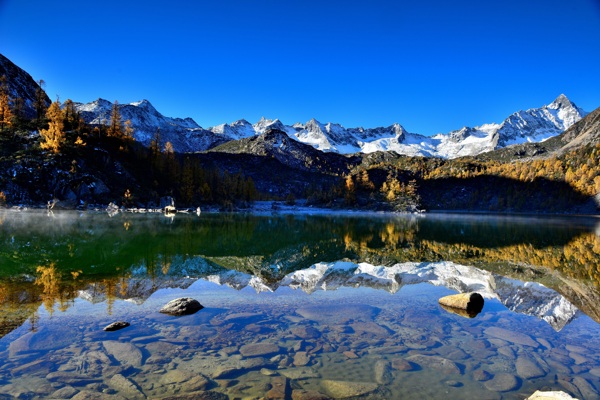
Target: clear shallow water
{"points": [[297, 306]]}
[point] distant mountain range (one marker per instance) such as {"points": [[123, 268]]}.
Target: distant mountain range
{"points": [[533, 125], [530, 126]]}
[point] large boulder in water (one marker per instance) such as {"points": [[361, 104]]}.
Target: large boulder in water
{"points": [[465, 304], [182, 306]]}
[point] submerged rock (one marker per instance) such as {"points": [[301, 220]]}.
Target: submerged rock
{"points": [[259, 349], [66, 392], [340, 314], [115, 326], [401, 364], [528, 368], [124, 353], [511, 336], [343, 389], [301, 394], [435, 362], [502, 382], [481, 375], [383, 372], [182, 306], [125, 386]]}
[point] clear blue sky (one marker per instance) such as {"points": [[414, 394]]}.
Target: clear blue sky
{"points": [[432, 66]]}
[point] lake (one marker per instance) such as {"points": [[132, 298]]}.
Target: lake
{"points": [[297, 306]]}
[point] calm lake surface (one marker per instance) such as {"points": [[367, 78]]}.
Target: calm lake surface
{"points": [[297, 306]]}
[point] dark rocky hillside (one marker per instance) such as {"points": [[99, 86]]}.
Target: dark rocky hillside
{"points": [[21, 86], [586, 132], [277, 145]]}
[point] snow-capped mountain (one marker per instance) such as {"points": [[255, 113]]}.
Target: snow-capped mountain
{"points": [[533, 125], [237, 130], [184, 134], [538, 124]]}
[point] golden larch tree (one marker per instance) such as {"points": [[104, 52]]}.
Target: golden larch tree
{"points": [[5, 111], [128, 134], [54, 137], [115, 127]]}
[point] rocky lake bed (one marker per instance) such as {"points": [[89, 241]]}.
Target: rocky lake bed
{"points": [[351, 343]]}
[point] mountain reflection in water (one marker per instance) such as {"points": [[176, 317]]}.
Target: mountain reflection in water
{"points": [[54, 267], [53, 258]]}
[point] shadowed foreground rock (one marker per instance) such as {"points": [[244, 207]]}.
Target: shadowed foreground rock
{"points": [[182, 306], [464, 304]]}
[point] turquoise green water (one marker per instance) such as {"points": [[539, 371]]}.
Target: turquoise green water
{"points": [[335, 306]]}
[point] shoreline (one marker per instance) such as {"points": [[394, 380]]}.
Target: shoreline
{"points": [[270, 207]]}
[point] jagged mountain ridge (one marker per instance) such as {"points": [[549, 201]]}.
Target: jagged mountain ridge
{"points": [[21, 85], [533, 125]]}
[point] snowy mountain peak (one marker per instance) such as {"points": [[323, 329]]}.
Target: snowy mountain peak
{"points": [[561, 101], [398, 129], [539, 124], [144, 104], [241, 122], [94, 106], [264, 124]]}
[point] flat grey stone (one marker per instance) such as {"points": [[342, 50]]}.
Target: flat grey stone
{"points": [[124, 353], [511, 336], [340, 314], [528, 369], [435, 362], [259, 349], [502, 382], [343, 389]]}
